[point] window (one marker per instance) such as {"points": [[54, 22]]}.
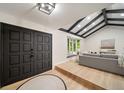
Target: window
{"points": [[73, 46]]}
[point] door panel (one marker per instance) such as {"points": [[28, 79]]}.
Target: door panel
{"points": [[14, 59], [27, 68], [46, 61], [12, 48], [27, 61], [47, 52], [38, 44], [18, 62], [14, 71], [43, 51], [14, 35]]}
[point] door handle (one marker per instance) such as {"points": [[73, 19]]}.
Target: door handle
{"points": [[32, 49], [31, 55]]}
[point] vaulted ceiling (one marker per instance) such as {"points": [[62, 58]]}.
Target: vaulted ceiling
{"points": [[86, 26], [81, 19], [64, 14]]}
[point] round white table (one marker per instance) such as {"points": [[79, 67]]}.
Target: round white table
{"points": [[44, 82]]}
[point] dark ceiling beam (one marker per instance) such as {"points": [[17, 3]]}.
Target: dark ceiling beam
{"points": [[89, 23], [64, 30], [105, 20], [111, 24], [75, 24], [93, 27], [105, 15], [94, 31], [115, 11], [115, 19]]}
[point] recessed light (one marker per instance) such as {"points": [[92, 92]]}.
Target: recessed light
{"points": [[79, 26], [50, 7], [88, 18], [42, 5], [93, 23], [85, 29], [122, 14]]}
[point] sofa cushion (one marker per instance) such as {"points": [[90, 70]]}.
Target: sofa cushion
{"points": [[109, 56], [88, 54]]}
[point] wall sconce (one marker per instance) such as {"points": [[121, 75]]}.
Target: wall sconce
{"points": [[46, 7]]}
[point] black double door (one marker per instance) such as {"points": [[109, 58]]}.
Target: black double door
{"points": [[25, 53]]}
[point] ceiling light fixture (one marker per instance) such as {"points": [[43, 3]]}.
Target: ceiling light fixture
{"points": [[88, 18], [42, 5], [79, 26], [122, 14], [46, 7], [85, 29], [93, 23], [50, 7]]}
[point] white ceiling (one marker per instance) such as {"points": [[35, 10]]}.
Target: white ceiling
{"points": [[63, 16]]}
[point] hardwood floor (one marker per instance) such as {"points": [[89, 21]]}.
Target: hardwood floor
{"points": [[71, 84], [91, 78], [79, 77]]}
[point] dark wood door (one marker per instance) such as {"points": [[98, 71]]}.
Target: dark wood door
{"points": [[25, 53], [43, 52], [18, 59], [47, 52]]}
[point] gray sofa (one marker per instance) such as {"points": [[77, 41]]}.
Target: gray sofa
{"points": [[107, 63]]}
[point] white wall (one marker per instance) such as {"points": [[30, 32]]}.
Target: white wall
{"points": [[59, 48], [93, 42]]}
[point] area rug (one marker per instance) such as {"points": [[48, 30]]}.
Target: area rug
{"points": [[44, 82]]}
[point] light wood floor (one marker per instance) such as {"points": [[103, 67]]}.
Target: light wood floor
{"points": [[79, 77], [71, 84], [92, 78]]}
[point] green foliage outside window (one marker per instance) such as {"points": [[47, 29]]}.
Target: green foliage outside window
{"points": [[73, 45], [78, 44], [70, 45]]}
